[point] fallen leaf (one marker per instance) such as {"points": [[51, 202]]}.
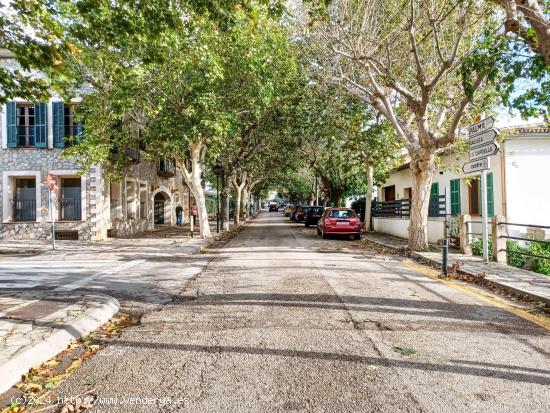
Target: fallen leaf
{"points": [[405, 351]]}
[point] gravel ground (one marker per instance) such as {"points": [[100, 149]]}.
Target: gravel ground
{"points": [[285, 321]]}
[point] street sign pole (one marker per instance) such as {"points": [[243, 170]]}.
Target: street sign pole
{"points": [[484, 219]]}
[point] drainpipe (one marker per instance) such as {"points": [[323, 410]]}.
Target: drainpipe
{"points": [[503, 180]]}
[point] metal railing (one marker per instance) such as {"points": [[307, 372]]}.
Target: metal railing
{"points": [[69, 209], [24, 209], [437, 206], [400, 208], [546, 242]]}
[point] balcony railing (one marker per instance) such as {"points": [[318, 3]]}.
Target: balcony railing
{"points": [[166, 167], [24, 209], [133, 154], [69, 209]]}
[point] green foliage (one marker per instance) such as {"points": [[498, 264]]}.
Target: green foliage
{"points": [[518, 260], [521, 78]]}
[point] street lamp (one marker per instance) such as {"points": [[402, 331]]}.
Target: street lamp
{"points": [[218, 170]]}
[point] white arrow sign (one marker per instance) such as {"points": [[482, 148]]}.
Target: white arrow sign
{"points": [[484, 151], [481, 126], [475, 166], [483, 139]]}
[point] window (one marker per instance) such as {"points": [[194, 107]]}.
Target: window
{"points": [[70, 200], [455, 196], [475, 196], [66, 130], [131, 199], [116, 206], [26, 125], [24, 204], [407, 193], [346, 213]]}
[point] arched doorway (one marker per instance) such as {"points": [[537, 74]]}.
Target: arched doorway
{"points": [[159, 204]]}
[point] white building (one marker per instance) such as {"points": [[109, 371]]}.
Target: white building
{"points": [[516, 184]]}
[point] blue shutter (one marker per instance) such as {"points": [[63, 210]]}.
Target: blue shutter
{"points": [[40, 125], [11, 118], [58, 111], [455, 196]]}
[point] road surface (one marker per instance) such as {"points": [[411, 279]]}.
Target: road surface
{"points": [[285, 321]]}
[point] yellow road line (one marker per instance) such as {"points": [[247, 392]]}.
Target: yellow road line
{"points": [[539, 320]]}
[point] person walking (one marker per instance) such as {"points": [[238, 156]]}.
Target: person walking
{"points": [[179, 215]]}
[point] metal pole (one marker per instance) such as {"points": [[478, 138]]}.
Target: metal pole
{"points": [[53, 222], [484, 216], [445, 260], [217, 206], [192, 222]]}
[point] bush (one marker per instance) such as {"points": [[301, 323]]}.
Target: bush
{"points": [[515, 260], [477, 247], [541, 265]]}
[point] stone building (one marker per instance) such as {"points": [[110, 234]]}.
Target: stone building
{"points": [[86, 207]]}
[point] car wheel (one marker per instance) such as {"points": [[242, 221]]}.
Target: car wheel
{"points": [[357, 236], [307, 224]]}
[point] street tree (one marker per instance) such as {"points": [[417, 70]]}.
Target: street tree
{"points": [[404, 59]]}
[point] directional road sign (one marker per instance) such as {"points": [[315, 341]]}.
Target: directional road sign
{"points": [[483, 151], [483, 138], [475, 166], [481, 126]]}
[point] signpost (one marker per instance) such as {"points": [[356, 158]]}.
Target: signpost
{"points": [[51, 182], [481, 139]]}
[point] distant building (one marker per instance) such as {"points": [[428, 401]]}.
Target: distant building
{"points": [[34, 136], [516, 183]]}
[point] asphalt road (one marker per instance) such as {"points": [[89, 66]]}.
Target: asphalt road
{"points": [[285, 321], [139, 272]]}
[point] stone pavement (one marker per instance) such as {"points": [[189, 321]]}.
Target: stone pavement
{"points": [[37, 325], [516, 280]]}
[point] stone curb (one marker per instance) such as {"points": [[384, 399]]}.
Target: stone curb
{"points": [[33, 355], [503, 285]]}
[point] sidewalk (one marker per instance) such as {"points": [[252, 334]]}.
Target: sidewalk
{"points": [[37, 325], [516, 280]]}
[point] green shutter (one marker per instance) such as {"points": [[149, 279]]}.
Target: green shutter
{"points": [[11, 123], [433, 207], [40, 125], [490, 196], [455, 196], [58, 111]]}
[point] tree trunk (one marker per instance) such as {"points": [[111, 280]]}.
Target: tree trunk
{"points": [[422, 168], [226, 190], [194, 181], [325, 200], [239, 190], [368, 197], [336, 197], [246, 199]]}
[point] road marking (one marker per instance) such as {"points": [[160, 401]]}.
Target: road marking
{"points": [[83, 281], [541, 321]]}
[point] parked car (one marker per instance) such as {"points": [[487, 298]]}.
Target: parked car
{"points": [[288, 210], [273, 207], [301, 213], [313, 215], [339, 221]]}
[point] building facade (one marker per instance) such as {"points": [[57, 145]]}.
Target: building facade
{"points": [[516, 186], [85, 206]]}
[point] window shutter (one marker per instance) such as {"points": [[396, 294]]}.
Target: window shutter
{"points": [[11, 118], [79, 130], [40, 125], [58, 111], [455, 196], [433, 206], [490, 196]]}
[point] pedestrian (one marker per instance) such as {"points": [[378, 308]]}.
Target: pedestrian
{"points": [[179, 215]]}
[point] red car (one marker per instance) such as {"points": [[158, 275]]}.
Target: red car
{"points": [[339, 221]]}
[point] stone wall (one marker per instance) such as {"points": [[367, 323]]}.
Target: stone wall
{"points": [[42, 161]]}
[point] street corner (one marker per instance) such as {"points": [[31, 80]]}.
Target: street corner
{"points": [[37, 325]]}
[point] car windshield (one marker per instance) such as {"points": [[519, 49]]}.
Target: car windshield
{"points": [[345, 213], [316, 210], [305, 209]]}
